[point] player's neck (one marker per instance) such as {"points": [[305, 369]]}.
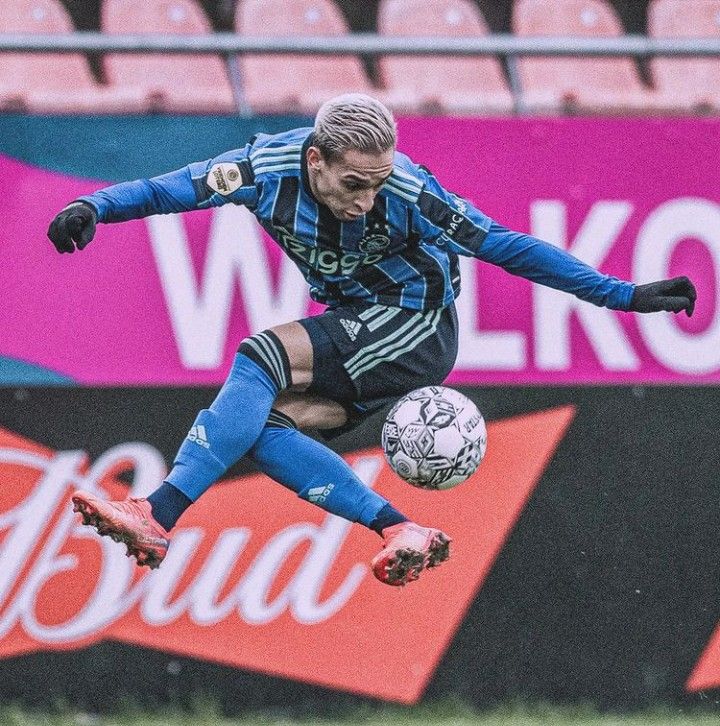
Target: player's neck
{"points": [[312, 183]]}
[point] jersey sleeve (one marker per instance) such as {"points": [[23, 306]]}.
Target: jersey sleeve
{"points": [[227, 178], [447, 220]]}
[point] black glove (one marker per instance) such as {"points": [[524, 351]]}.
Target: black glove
{"points": [[76, 223], [670, 295]]}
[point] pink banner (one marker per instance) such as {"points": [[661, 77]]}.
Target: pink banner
{"points": [[166, 300]]}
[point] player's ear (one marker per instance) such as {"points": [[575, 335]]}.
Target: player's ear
{"points": [[314, 158]]}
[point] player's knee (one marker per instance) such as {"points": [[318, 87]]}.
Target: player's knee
{"points": [[267, 351], [311, 412], [299, 348]]}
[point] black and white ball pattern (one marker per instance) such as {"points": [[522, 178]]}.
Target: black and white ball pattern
{"points": [[434, 437]]}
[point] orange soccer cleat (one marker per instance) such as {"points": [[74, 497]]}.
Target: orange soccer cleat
{"points": [[129, 521], [409, 549]]}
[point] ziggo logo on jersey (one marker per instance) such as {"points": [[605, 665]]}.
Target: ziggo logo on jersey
{"points": [[328, 262]]}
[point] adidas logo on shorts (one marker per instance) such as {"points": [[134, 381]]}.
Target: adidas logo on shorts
{"points": [[198, 435], [352, 327]]}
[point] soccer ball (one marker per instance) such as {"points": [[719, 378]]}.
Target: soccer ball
{"points": [[434, 437]]}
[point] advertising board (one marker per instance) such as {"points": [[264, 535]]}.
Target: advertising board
{"points": [[166, 300]]}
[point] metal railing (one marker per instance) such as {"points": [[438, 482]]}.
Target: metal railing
{"points": [[363, 44]]}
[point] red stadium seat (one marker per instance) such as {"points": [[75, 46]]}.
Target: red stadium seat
{"points": [[52, 82], [689, 84], [591, 84], [173, 82], [449, 84], [295, 83]]}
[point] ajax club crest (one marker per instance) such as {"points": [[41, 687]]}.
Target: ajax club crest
{"points": [[376, 238]]}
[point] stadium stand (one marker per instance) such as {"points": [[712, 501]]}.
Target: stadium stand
{"points": [[45, 82], [445, 84], [295, 83], [583, 84], [171, 83], [53, 82], [689, 84]]}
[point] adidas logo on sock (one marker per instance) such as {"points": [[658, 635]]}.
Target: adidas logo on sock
{"points": [[198, 435], [317, 495], [352, 327]]}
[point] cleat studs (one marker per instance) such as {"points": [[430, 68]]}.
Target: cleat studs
{"points": [[439, 550], [405, 566]]}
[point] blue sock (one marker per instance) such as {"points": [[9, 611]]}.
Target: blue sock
{"points": [[167, 504], [222, 434], [316, 473], [386, 517]]}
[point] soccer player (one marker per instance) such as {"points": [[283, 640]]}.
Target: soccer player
{"points": [[377, 238]]}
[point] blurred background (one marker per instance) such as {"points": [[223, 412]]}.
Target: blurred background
{"points": [[477, 82], [585, 571]]}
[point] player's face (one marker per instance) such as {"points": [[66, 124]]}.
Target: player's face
{"points": [[348, 185]]}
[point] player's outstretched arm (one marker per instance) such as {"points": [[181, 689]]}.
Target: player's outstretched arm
{"points": [[455, 223], [672, 296], [199, 185], [73, 227]]}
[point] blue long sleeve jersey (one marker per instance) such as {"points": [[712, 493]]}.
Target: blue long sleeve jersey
{"points": [[402, 253]]}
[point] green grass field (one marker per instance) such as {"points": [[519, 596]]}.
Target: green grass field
{"points": [[434, 716]]}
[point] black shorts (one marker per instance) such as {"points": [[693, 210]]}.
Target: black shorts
{"points": [[366, 356]]}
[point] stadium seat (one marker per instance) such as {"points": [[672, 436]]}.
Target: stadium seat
{"points": [[172, 82], [689, 84], [448, 84], [52, 82], [295, 83], [586, 84]]}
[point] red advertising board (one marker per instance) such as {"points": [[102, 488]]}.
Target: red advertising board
{"points": [[255, 577]]}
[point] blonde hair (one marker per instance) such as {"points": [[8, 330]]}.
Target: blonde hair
{"points": [[354, 121]]}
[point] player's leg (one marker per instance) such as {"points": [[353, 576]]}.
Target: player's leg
{"points": [[312, 470], [319, 475], [364, 356], [223, 433], [302, 355], [265, 364]]}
